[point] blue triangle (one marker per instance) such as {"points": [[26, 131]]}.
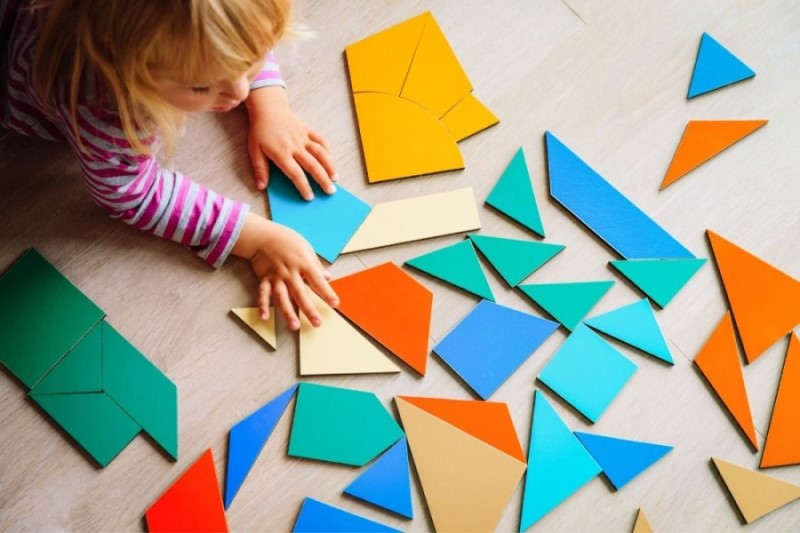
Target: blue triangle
{"points": [[247, 438], [316, 516], [622, 460], [636, 325], [386, 483], [716, 67], [558, 465]]}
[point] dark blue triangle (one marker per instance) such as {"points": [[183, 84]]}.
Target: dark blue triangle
{"points": [[621, 459], [316, 516], [716, 67], [386, 483]]}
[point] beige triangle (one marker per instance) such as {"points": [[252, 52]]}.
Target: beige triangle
{"points": [[336, 347], [642, 524], [755, 494], [467, 483], [263, 328]]}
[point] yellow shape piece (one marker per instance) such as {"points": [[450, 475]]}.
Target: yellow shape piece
{"points": [[468, 117], [435, 80], [263, 328], [380, 62], [755, 494], [401, 139], [642, 524], [417, 218], [467, 483], [336, 347]]}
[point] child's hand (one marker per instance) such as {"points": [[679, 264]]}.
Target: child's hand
{"points": [[276, 134]]}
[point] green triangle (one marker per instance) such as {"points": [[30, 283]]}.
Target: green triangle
{"points": [[515, 259], [567, 302], [513, 195], [79, 370], [659, 279], [458, 265]]}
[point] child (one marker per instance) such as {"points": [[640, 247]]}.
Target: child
{"points": [[115, 79]]}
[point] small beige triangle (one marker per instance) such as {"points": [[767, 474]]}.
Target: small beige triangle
{"points": [[642, 524], [336, 347], [263, 328], [755, 494]]}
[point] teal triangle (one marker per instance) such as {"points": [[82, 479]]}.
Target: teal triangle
{"points": [[621, 459], [659, 279], [515, 259], [634, 324], [716, 67], [386, 483], [558, 465], [567, 302], [79, 370], [513, 195], [458, 265]]}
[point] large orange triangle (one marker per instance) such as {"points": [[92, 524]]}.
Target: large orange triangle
{"points": [[782, 446], [718, 359], [702, 140], [765, 301], [489, 422]]}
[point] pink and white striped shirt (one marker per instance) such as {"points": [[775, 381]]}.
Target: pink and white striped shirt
{"points": [[130, 186]]}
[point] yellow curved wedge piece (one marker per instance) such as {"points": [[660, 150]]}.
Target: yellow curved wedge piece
{"points": [[468, 117], [263, 328]]}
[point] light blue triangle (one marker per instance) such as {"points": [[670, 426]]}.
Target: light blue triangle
{"points": [[558, 465], [513, 195], [567, 302], [634, 324], [386, 483], [659, 279], [247, 438], [515, 259], [458, 265], [716, 67], [318, 517], [621, 459]]}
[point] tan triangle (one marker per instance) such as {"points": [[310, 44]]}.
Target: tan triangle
{"points": [[755, 494], [642, 524], [336, 347], [467, 483], [263, 328]]}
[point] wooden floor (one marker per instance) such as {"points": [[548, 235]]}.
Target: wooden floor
{"points": [[609, 78]]}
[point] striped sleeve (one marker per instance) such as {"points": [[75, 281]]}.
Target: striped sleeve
{"points": [[269, 76]]}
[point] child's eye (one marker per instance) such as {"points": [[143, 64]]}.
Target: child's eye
{"points": [[200, 89]]}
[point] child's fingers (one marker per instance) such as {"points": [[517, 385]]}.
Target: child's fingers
{"points": [[284, 303], [292, 169], [324, 157], [264, 294], [318, 281], [260, 165], [320, 175], [317, 138], [299, 293]]}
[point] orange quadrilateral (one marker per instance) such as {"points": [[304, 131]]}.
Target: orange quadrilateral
{"points": [[718, 359], [782, 446], [392, 307], [702, 140], [489, 422], [765, 301]]}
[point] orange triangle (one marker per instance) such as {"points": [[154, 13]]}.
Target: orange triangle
{"points": [[765, 301], [489, 422], [783, 438], [702, 140], [392, 307], [718, 360]]}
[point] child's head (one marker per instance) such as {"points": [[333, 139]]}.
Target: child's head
{"points": [[158, 58]]}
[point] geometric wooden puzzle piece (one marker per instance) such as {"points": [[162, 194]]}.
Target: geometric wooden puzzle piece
{"points": [[587, 372], [755, 494], [765, 301], [718, 360], [247, 438], [558, 464], [456, 264], [715, 67], [318, 517], [387, 482], [490, 343], [468, 117], [340, 425], [702, 140], [263, 328], [604, 210], [513, 195], [567, 302], [192, 503], [391, 307], [782, 446], [642, 524], [621, 459], [80, 370], [659, 279], [515, 259]]}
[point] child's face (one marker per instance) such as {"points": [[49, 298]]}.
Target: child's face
{"points": [[220, 95]]}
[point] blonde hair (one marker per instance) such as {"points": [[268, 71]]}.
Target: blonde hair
{"points": [[128, 43]]}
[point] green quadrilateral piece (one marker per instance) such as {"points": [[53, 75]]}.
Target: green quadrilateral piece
{"points": [[340, 425], [515, 259], [659, 279], [80, 370], [458, 265], [513, 195], [567, 302]]}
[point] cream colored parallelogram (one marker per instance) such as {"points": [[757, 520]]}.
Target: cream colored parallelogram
{"points": [[263, 328]]}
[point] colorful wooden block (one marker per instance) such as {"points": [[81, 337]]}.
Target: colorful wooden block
{"points": [[515, 259], [567, 302], [634, 324], [659, 279], [715, 67], [387, 482], [754, 493], [621, 459], [642, 524], [263, 328], [513, 195], [782, 446], [468, 117], [81, 369], [318, 517], [456, 264]]}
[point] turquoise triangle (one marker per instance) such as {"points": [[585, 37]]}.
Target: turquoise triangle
{"points": [[386, 483], [634, 324], [716, 67], [79, 370], [621, 459], [458, 265], [515, 259], [558, 465], [513, 195], [659, 279], [567, 302]]}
